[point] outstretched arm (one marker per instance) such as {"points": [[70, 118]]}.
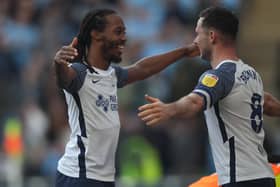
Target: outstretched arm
{"points": [[64, 73], [151, 65], [156, 111], [271, 105]]}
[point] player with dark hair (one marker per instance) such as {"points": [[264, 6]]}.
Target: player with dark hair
{"points": [[271, 108], [90, 87], [232, 97]]}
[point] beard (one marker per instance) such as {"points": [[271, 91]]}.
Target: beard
{"points": [[206, 54], [109, 51]]}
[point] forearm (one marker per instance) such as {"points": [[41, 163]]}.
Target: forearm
{"points": [[187, 107], [151, 65], [154, 64], [271, 105], [62, 72]]}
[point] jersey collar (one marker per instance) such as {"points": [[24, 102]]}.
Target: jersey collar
{"points": [[228, 61]]}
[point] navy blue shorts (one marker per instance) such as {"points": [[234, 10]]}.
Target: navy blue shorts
{"points": [[264, 182], [65, 181]]}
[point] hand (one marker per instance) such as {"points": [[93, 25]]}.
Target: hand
{"points": [[193, 50], [154, 112], [67, 53]]}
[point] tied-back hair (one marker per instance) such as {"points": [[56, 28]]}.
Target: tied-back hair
{"points": [[94, 20], [221, 19]]}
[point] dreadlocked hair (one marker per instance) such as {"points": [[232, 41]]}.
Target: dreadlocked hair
{"points": [[94, 20]]}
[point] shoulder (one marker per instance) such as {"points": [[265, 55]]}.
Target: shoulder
{"points": [[227, 67], [220, 80], [122, 75], [79, 67], [78, 80], [209, 78], [225, 73], [117, 68]]}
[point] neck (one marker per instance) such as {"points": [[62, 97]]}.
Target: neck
{"points": [[221, 53], [95, 58]]}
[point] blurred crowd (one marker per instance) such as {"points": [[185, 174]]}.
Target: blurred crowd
{"points": [[33, 119]]}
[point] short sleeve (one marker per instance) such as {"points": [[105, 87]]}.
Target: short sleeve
{"points": [[214, 85], [78, 81], [122, 75]]}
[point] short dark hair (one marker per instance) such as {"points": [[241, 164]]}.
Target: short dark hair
{"points": [[93, 20], [221, 19]]}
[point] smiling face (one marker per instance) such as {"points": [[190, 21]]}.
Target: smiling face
{"points": [[113, 38], [203, 40]]}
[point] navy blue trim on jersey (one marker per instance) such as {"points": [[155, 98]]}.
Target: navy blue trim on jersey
{"points": [[81, 115], [232, 160], [91, 69], [211, 97], [78, 81], [228, 70], [221, 123], [81, 157], [225, 76], [62, 180], [262, 182], [122, 76]]}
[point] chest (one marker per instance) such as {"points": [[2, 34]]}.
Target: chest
{"points": [[96, 85]]}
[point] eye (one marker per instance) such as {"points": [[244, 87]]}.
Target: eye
{"points": [[119, 31]]}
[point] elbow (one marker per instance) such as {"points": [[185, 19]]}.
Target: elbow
{"points": [[196, 107], [59, 82], [269, 111], [191, 114]]}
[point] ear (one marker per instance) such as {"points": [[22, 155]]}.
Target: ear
{"points": [[95, 35], [212, 36]]}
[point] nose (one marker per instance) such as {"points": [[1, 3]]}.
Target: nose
{"points": [[123, 38]]}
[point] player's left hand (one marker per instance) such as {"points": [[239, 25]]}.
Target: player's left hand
{"points": [[155, 112]]}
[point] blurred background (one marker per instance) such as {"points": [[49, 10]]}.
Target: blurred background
{"points": [[33, 125]]}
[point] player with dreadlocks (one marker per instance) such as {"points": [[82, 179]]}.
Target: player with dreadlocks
{"points": [[90, 86]]}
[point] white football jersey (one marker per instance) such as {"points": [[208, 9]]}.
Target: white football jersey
{"points": [[233, 95], [94, 121]]}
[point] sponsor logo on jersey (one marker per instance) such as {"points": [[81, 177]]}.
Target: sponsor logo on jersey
{"points": [[107, 103], [210, 80]]}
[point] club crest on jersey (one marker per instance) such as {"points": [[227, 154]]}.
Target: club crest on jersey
{"points": [[209, 80]]}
